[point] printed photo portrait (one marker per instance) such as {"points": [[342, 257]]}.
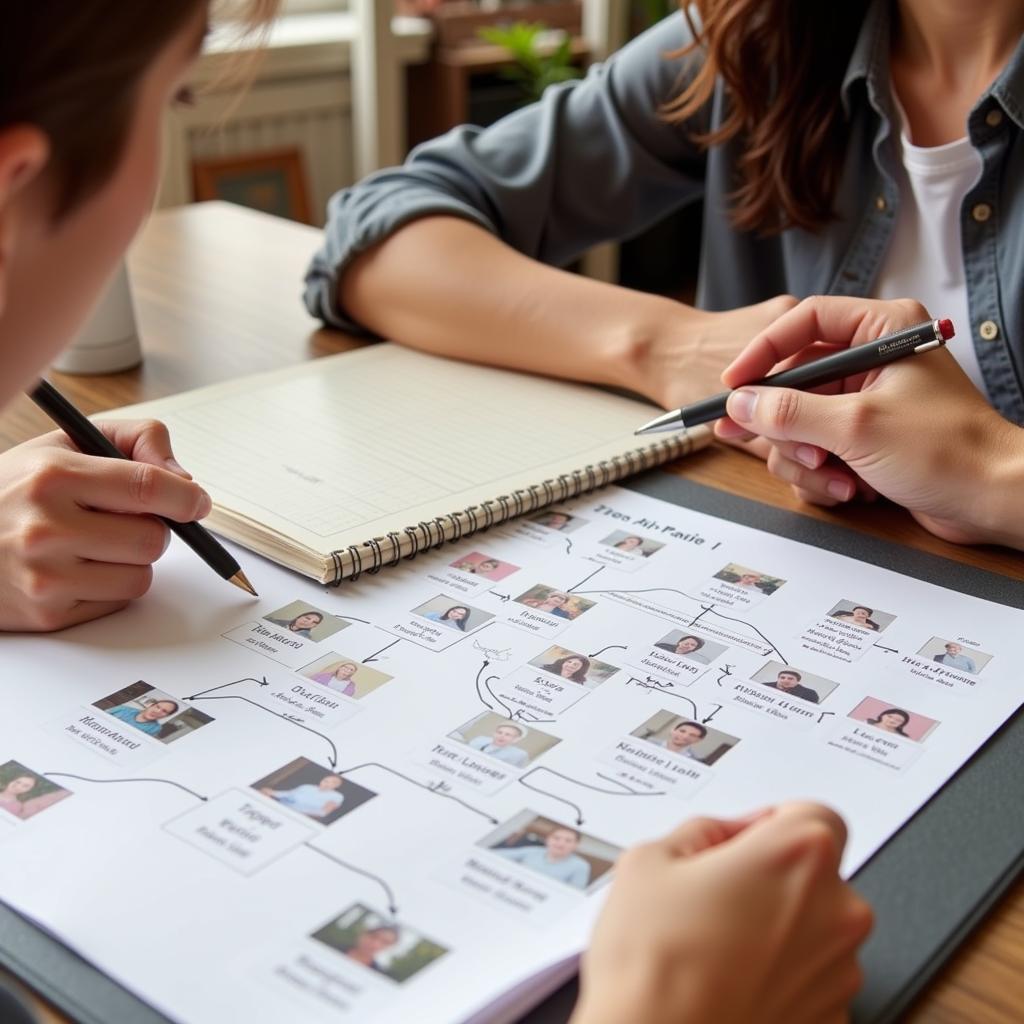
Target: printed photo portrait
{"points": [[345, 675], [953, 654], [153, 712], [303, 620], [452, 614], [572, 667], [749, 579], [552, 850], [794, 682], [684, 644], [24, 793], [632, 544], [478, 564], [552, 601], [889, 718], [556, 519], [379, 943], [861, 615], [513, 743], [676, 734], [317, 792]]}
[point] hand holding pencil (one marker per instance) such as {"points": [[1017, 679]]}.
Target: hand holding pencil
{"points": [[78, 535]]}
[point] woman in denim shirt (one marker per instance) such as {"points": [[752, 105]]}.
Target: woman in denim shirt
{"points": [[800, 165]]}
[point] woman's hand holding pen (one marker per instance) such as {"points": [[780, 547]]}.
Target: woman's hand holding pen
{"points": [[77, 534], [731, 921], [917, 431], [682, 350]]}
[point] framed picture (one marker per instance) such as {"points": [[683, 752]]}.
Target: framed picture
{"points": [[272, 181]]}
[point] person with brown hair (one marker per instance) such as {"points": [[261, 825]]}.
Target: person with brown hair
{"points": [[83, 88], [861, 149]]}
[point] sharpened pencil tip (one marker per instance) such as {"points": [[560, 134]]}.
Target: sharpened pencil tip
{"points": [[241, 581]]}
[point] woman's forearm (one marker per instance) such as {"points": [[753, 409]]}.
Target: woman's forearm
{"points": [[447, 286]]}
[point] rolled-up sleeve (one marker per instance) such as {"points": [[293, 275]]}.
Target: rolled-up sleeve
{"points": [[592, 161]]}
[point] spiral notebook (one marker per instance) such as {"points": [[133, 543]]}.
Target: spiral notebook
{"points": [[347, 464]]}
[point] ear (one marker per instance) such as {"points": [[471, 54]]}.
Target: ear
{"points": [[24, 153]]}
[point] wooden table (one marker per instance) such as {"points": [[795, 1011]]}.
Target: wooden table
{"points": [[218, 294]]}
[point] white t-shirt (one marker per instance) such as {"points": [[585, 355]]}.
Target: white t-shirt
{"points": [[925, 258]]}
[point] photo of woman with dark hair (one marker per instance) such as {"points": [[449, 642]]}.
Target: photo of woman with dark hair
{"points": [[302, 624], [574, 668], [891, 720], [455, 617]]}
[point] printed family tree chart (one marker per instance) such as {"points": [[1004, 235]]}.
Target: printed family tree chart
{"points": [[404, 798]]}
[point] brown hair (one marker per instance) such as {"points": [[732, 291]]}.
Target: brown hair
{"points": [[782, 63], [73, 69]]}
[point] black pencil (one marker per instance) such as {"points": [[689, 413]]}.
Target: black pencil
{"points": [[91, 441]]}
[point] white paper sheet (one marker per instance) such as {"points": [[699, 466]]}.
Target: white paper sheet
{"points": [[196, 849]]}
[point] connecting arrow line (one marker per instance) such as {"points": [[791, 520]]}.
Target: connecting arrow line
{"points": [[725, 673], [352, 618], [610, 647], [704, 721], [891, 650], [664, 688], [743, 622], [690, 597], [487, 687], [247, 679], [568, 545], [477, 684], [284, 718], [373, 657], [600, 568], [502, 597], [421, 785], [165, 782], [624, 791], [392, 905], [821, 717], [560, 799]]}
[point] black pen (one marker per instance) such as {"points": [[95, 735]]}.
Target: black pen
{"points": [[91, 441], [859, 359]]}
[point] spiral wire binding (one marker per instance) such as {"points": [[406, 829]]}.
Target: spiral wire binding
{"points": [[384, 552]]}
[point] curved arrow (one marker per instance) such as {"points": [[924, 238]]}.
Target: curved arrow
{"points": [[283, 717], [487, 687], [392, 906], [421, 785], [246, 679], [610, 647], [166, 782], [560, 799]]}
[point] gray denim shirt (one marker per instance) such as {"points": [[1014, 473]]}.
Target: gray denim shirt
{"points": [[594, 161]]}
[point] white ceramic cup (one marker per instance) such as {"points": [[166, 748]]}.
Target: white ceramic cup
{"points": [[109, 341]]}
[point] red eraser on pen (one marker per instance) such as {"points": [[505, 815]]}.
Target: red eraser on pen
{"points": [[946, 329]]}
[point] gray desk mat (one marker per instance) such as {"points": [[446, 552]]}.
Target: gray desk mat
{"points": [[929, 886]]}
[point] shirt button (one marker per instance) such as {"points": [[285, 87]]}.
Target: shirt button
{"points": [[981, 212], [989, 330], [880, 203], [994, 118]]}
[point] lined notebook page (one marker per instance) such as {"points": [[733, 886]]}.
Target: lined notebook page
{"points": [[333, 451]]}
